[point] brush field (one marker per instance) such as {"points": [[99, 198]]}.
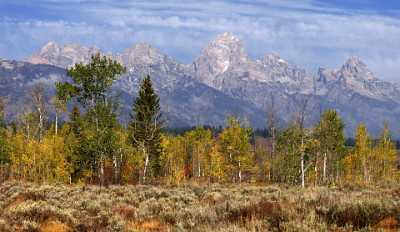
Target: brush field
{"points": [[30, 207]]}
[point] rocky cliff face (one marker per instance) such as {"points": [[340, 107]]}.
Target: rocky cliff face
{"points": [[359, 96], [223, 80], [225, 57], [221, 56], [355, 76], [185, 101], [64, 56], [253, 81]]}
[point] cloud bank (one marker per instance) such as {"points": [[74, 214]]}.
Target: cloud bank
{"points": [[308, 33]]}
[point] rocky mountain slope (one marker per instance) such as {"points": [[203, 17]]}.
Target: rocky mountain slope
{"points": [[64, 56], [353, 89], [17, 79], [360, 96], [223, 80], [185, 101]]}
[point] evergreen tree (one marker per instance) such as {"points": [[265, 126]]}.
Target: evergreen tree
{"points": [[75, 120], [146, 126], [72, 133], [4, 158]]}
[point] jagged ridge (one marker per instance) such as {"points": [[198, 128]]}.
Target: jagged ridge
{"points": [[225, 67]]}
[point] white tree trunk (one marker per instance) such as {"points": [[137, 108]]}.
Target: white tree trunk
{"points": [[40, 124], [28, 131], [240, 173], [199, 170], [366, 174], [303, 184], [115, 164], [316, 170], [56, 124], [101, 170], [146, 163], [324, 168]]}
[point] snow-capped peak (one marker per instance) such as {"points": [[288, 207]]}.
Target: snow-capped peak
{"points": [[223, 53], [273, 59], [355, 68], [226, 38], [50, 47]]}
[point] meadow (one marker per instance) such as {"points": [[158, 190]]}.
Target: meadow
{"points": [[194, 207]]}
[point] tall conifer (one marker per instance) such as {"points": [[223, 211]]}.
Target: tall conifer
{"points": [[3, 143], [146, 126]]}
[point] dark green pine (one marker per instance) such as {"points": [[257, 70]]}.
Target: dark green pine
{"points": [[146, 124], [3, 141]]}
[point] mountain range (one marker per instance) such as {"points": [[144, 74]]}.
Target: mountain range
{"points": [[223, 80]]}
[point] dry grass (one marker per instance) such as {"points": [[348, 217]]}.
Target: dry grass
{"points": [[151, 225], [54, 226], [28, 207]]}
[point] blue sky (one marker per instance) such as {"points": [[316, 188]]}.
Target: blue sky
{"points": [[309, 33]]}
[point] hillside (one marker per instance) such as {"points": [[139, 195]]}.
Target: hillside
{"points": [[223, 80]]}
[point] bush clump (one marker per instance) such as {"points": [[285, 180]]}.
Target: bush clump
{"points": [[29, 207]]}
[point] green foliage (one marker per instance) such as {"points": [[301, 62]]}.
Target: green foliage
{"points": [[234, 144], [90, 81], [4, 150], [93, 147], [294, 145], [95, 130], [146, 125], [330, 132], [98, 139], [287, 163]]}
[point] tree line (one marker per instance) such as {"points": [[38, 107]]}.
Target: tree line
{"points": [[92, 146]]}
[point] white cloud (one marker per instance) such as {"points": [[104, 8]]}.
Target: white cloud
{"points": [[301, 31]]}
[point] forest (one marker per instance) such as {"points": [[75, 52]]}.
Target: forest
{"points": [[93, 147], [71, 165]]}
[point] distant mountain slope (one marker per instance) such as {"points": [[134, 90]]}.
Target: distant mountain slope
{"points": [[360, 96], [223, 80], [185, 102], [64, 56], [17, 80], [353, 89]]}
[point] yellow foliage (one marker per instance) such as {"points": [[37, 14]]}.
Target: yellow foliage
{"points": [[371, 164], [173, 158], [40, 162]]}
